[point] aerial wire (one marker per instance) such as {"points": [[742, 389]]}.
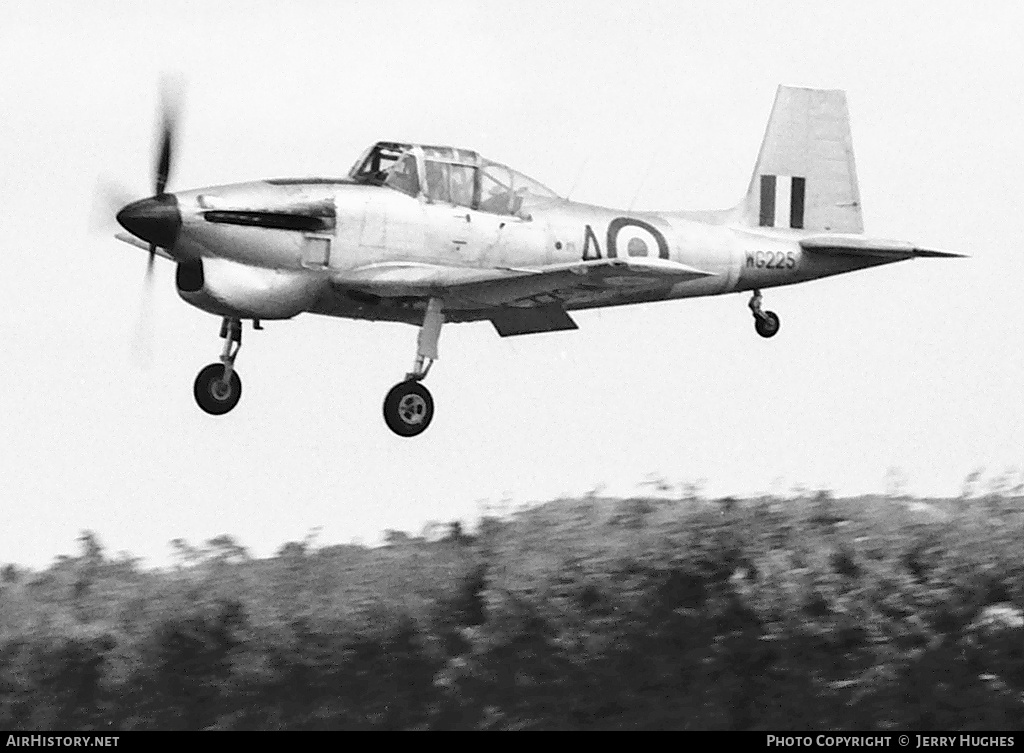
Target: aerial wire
{"points": [[579, 174], [643, 180]]}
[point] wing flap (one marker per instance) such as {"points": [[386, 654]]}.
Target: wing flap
{"points": [[511, 321]]}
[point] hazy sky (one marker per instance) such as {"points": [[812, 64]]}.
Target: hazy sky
{"points": [[917, 365]]}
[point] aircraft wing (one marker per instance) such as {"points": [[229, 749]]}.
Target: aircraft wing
{"points": [[858, 245], [524, 299], [131, 240], [498, 286]]}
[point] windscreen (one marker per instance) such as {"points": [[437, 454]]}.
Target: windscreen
{"points": [[403, 176]]}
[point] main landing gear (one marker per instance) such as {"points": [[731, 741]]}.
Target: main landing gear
{"points": [[408, 407], [218, 388], [765, 322]]}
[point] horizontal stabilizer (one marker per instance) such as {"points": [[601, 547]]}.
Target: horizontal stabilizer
{"points": [[528, 321], [858, 245]]}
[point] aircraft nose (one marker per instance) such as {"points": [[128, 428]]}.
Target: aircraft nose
{"points": [[156, 220]]}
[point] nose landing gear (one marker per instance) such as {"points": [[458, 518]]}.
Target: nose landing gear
{"points": [[218, 387], [766, 323], [409, 407]]}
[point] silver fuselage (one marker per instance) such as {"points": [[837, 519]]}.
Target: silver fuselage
{"points": [[269, 272]]}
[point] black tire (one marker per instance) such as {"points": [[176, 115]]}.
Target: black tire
{"points": [[408, 409], [768, 326], [212, 394]]}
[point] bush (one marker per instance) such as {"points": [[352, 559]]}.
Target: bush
{"points": [[816, 613]]}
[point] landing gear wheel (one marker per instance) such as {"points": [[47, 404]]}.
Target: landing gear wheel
{"points": [[408, 408], [214, 395], [768, 325]]}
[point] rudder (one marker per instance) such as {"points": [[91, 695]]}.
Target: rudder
{"points": [[805, 176]]}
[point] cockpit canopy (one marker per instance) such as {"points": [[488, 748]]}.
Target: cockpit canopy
{"points": [[442, 174]]}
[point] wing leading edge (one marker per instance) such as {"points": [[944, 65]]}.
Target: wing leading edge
{"points": [[524, 300], [501, 285]]}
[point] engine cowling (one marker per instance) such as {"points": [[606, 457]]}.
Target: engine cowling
{"points": [[227, 288]]}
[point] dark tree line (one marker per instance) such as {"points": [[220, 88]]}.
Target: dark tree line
{"points": [[804, 613]]}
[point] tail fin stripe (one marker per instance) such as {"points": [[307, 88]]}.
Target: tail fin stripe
{"points": [[782, 201], [796, 208], [767, 200], [783, 196]]}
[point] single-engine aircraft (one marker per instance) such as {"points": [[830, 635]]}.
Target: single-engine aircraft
{"points": [[432, 234]]}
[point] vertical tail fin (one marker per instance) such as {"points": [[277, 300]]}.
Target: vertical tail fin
{"points": [[805, 176]]}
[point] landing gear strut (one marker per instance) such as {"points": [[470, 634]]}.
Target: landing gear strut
{"points": [[408, 407], [218, 387], [765, 322]]}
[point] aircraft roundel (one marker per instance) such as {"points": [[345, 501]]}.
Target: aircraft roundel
{"points": [[630, 237]]}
